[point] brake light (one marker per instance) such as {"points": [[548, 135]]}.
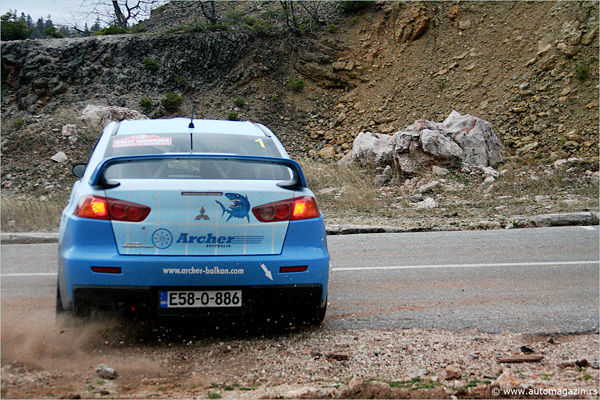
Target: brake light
{"points": [[105, 208], [304, 207]]}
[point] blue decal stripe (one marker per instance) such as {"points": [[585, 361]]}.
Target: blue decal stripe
{"points": [[247, 240]]}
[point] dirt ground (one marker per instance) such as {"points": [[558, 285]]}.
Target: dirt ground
{"points": [[223, 359]]}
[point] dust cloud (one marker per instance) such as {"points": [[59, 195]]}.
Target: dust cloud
{"points": [[40, 339]]}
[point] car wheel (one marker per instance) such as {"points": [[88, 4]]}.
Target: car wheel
{"points": [[319, 316], [314, 316], [59, 307]]}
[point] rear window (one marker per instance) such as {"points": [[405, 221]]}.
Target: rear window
{"points": [[125, 145]]}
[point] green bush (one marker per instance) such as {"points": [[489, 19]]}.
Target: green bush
{"points": [[216, 27], [111, 30], [333, 28], [233, 116], [582, 71], [260, 27], [151, 64], [235, 16], [180, 81], [172, 101], [296, 85], [239, 102], [353, 6], [146, 103]]}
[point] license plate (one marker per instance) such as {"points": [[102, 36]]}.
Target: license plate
{"points": [[200, 298]]}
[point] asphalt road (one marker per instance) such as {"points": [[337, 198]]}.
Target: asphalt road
{"points": [[543, 280]]}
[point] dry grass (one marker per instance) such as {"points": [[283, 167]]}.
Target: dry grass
{"points": [[22, 214], [349, 196], [339, 189]]}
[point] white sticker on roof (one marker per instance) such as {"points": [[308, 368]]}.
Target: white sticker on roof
{"points": [[142, 140]]}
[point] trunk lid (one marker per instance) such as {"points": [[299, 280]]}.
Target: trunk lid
{"points": [[198, 218]]}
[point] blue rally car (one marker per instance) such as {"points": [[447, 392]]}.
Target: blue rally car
{"points": [[181, 218]]}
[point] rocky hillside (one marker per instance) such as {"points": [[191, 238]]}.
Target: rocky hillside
{"points": [[529, 68]]}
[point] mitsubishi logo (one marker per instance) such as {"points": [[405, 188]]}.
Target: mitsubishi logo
{"points": [[202, 215]]}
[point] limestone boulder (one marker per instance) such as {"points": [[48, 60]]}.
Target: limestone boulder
{"points": [[460, 139], [476, 138], [97, 117]]}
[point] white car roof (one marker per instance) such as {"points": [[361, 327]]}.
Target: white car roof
{"points": [[180, 125]]}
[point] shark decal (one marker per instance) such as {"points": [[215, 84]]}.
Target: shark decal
{"points": [[239, 206]]}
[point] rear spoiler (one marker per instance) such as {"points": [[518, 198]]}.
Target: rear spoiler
{"points": [[295, 183]]}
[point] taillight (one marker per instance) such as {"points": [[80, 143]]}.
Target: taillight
{"points": [[304, 207], [96, 207]]}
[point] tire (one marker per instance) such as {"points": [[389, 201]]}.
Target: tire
{"points": [[315, 316], [59, 307]]}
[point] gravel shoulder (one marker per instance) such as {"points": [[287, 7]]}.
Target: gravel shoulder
{"points": [[222, 360]]}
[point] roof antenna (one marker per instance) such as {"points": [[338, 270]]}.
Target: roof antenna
{"points": [[191, 125]]}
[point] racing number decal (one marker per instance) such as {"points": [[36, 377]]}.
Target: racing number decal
{"points": [[260, 141]]}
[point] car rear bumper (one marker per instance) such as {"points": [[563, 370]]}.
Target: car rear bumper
{"points": [[256, 300]]}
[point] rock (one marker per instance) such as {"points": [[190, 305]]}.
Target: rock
{"points": [[563, 162], [355, 383], [527, 148], [440, 145], [69, 130], [485, 225], [381, 180], [582, 363], [589, 37], [452, 373], [439, 171], [479, 143], [372, 149], [571, 145], [567, 49], [416, 198], [507, 380], [429, 187], [328, 191], [358, 389], [327, 153], [543, 49], [460, 139], [580, 218], [489, 171], [337, 356], [59, 157], [423, 144], [97, 117], [571, 33], [464, 24], [308, 392], [106, 372], [427, 203]]}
